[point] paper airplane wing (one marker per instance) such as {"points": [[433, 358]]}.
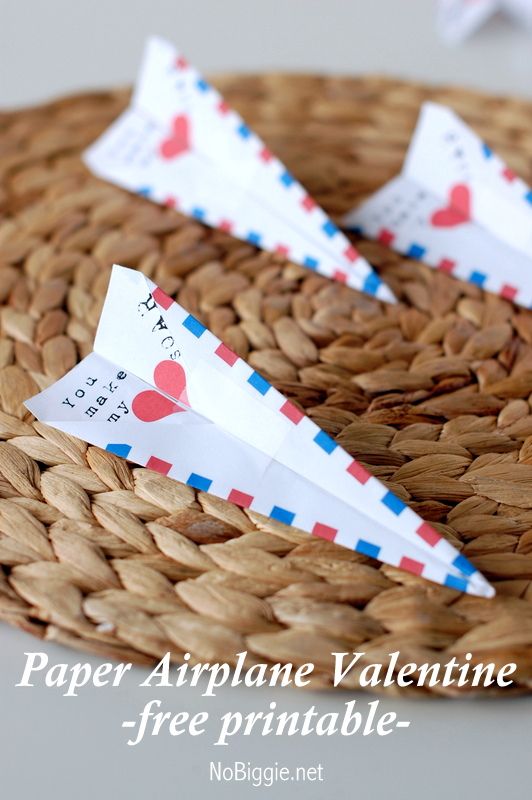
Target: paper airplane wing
{"points": [[237, 437], [457, 207], [520, 10], [448, 159], [458, 19], [114, 409], [401, 215], [180, 144]]}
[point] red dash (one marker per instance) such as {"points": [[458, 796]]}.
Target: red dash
{"points": [[226, 354], [358, 472], [508, 174], [428, 534], [385, 237], [446, 265], [340, 275], [411, 565], [508, 292], [292, 412], [158, 465], [351, 253], [225, 225], [162, 299], [240, 498], [324, 531]]}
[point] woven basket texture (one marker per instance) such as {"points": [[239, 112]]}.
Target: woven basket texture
{"points": [[433, 395]]}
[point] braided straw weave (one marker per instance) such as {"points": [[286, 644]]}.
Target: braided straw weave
{"points": [[433, 395]]}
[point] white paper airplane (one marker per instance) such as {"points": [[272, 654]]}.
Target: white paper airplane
{"points": [[181, 145], [458, 19], [456, 206], [161, 390]]}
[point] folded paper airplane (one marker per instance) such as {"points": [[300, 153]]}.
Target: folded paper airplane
{"points": [[458, 19], [161, 390], [457, 207], [181, 145]]}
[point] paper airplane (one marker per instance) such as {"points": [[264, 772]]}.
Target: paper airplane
{"points": [[161, 390], [181, 145], [457, 207], [458, 19]]}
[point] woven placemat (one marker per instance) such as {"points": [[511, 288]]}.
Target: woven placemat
{"points": [[433, 395]]}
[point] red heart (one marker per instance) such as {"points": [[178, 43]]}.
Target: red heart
{"points": [[169, 377], [149, 406], [457, 211], [179, 140]]}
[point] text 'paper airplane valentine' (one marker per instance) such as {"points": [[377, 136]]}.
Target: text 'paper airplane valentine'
{"points": [[456, 206], [181, 145], [161, 390]]}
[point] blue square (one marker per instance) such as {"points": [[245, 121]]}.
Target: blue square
{"points": [[202, 85], [456, 583], [371, 283], [391, 501], [282, 515], [198, 213], [287, 179], [144, 191], [243, 131], [329, 228], [254, 238], [528, 197], [487, 152], [477, 278], [311, 263], [325, 442], [461, 563], [259, 383], [367, 548], [121, 450], [194, 326], [416, 251], [199, 482]]}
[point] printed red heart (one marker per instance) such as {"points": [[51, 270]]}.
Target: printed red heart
{"points": [[179, 140], [458, 210], [170, 378], [149, 406]]}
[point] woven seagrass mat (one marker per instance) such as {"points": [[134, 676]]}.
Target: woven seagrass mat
{"points": [[433, 395]]}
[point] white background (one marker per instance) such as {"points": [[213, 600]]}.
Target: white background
{"points": [[54, 747], [53, 46]]}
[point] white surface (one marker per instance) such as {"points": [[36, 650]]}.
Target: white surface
{"points": [[60, 45], [54, 747]]}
